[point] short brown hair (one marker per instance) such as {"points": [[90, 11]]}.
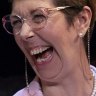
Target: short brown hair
{"points": [[78, 5]]}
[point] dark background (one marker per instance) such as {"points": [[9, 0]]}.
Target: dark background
{"points": [[12, 59]]}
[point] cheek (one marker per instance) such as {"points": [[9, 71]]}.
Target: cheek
{"points": [[55, 30], [54, 34]]}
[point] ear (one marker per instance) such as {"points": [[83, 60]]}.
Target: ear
{"points": [[82, 21]]}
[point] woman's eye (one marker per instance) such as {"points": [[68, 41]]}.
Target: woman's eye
{"points": [[38, 18], [16, 23]]}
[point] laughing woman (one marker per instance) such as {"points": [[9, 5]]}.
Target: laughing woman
{"points": [[53, 36]]}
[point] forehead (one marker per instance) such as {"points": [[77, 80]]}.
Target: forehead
{"points": [[25, 6]]}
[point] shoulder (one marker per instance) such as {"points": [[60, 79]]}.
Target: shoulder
{"points": [[93, 69], [22, 92], [34, 89]]}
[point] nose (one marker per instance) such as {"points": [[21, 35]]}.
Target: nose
{"points": [[26, 31]]}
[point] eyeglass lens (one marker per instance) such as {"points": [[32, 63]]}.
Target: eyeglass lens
{"points": [[37, 20]]}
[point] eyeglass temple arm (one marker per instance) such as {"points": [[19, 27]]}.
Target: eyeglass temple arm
{"points": [[59, 8]]}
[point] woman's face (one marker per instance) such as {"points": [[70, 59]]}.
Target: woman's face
{"points": [[52, 50]]}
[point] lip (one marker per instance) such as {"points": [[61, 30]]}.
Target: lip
{"points": [[43, 60], [43, 68]]}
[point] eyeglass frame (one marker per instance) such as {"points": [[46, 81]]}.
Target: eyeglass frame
{"points": [[24, 19]]}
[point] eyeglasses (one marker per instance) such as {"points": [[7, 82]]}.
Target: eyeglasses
{"points": [[38, 19]]}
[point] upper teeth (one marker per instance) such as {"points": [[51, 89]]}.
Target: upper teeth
{"points": [[37, 51]]}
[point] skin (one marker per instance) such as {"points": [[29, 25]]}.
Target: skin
{"points": [[64, 74]]}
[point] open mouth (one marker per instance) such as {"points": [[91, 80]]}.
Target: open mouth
{"points": [[42, 54]]}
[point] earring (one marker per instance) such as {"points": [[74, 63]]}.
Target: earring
{"points": [[88, 37], [26, 75], [88, 42], [87, 75], [81, 34], [26, 78], [88, 49]]}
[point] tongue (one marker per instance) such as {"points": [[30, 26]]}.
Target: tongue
{"points": [[46, 54]]}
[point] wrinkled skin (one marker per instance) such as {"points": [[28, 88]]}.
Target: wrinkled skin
{"points": [[67, 50]]}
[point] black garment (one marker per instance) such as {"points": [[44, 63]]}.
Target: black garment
{"points": [[10, 85]]}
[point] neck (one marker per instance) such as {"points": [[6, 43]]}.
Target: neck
{"points": [[69, 87]]}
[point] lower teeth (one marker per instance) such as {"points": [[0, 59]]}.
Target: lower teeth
{"points": [[43, 59]]}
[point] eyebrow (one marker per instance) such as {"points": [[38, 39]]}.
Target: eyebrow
{"points": [[20, 13]]}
